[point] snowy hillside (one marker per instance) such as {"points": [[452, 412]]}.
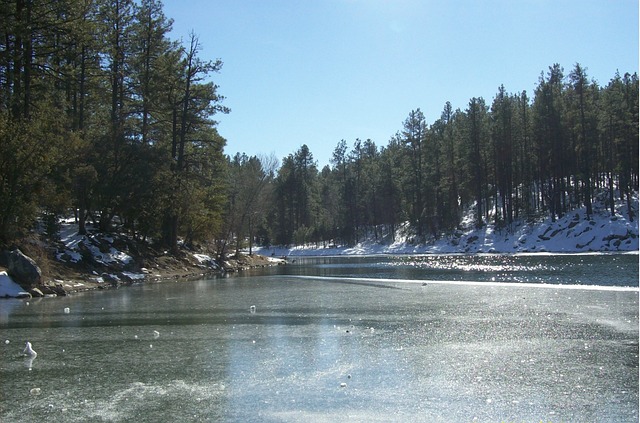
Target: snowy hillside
{"points": [[573, 233]]}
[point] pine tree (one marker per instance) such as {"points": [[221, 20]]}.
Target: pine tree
{"points": [[413, 137], [551, 144], [526, 155], [503, 157], [296, 198], [476, 140], [581, 104], [193, 132], [390, 182]]}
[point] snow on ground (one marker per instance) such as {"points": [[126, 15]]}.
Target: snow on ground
{"points": [[110, 251], [74, 243], [202, 258], [71, 240], [573, 233], [133, 276], [8, 288]]}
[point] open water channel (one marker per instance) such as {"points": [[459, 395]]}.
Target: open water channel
{"points": [[495, 338]]}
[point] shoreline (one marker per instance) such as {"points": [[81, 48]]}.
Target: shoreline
{"points": [[449, 253], [71, 263], [66, 280], [74, 282]]}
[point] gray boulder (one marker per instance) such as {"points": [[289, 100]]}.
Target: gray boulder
{"points": [[24, 270]]}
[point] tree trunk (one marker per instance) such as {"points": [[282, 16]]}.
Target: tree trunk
{"points": [[611, 200], [82, 219]]}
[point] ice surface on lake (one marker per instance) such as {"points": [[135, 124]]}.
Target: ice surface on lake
{"points": [[333, 347]]}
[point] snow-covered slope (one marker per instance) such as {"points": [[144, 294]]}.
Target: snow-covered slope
{"points": [[573, 233]]}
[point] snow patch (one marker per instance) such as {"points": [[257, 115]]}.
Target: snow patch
{"points": [[100, 247], [203, 258], [134, 276], [8, 288]]}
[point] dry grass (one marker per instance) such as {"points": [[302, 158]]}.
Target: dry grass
{"points": [[37, 250]]}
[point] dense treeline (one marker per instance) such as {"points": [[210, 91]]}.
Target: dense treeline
{"points": [[103, 114], [517, 158]]}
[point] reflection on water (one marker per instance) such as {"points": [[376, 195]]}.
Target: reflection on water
{"points": [[506, 264], [582, 269], [28, 361], [356, 344]]}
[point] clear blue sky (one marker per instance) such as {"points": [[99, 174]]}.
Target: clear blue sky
{"points": [[317, 71]]}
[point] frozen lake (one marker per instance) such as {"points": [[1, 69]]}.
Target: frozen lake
{"points": [[422, 338]]}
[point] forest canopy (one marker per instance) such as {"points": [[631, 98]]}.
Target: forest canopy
{"points": [[519, 157], [103, 116], [102, 113]]}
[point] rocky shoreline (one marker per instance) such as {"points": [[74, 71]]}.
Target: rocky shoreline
{"points": [[63, 276]]}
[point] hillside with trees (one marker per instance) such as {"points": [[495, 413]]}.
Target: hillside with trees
{"points": [[104, 117], [515, 158]]}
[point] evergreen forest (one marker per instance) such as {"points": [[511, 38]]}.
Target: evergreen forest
{"points": [[105, 118]]}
